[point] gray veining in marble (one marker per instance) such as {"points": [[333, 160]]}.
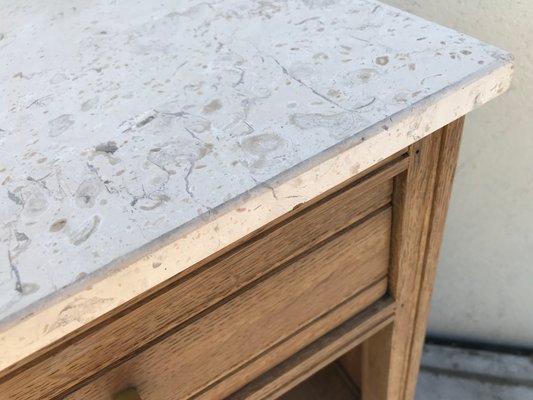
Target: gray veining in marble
{"points": [[121, 121]]}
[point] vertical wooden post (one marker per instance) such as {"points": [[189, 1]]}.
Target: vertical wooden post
{"points": [[375, 361], [420, 203]]}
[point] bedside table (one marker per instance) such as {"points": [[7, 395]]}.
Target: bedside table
{"points": [[228, 199]]}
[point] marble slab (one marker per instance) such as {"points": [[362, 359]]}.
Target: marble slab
{"points": [[140, 137]]}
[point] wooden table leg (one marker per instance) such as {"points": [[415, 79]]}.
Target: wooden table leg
{"points": [[391, 358]]}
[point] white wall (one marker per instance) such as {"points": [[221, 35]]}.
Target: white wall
{"points": [[484, 288]]}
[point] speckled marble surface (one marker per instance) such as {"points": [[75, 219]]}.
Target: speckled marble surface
{"points": [[123, 121]]}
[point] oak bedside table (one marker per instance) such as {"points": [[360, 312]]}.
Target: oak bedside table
{"points": [[225, 199]]}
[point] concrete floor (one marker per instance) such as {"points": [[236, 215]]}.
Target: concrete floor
{"points": [[449, 373]]}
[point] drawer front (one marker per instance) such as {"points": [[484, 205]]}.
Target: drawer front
{"points": [[144, 321], [271, 313]]}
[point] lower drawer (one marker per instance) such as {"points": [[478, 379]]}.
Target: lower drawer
{"points": [[252, 331]]}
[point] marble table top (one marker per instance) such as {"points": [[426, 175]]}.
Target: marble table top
{"points": [[128, 126]]}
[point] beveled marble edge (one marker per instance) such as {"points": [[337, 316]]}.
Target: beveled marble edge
{"points": [[54, 318]]}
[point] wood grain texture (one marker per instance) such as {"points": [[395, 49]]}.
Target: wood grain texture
{"points": [[375, 365], [137, 328], [320, 353], [286, 349], [352, 363], [449, 152], [420, 202], [217, 343]]}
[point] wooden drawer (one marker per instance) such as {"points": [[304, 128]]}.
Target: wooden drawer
{"points": [[266, 322], [213, 285]]}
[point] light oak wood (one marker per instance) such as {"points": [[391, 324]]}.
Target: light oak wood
{"points": [[352, 363], [317, 355], [375, 365], [420, 203], [220, 342], [449, 152], [284, 350], [136, 328]]}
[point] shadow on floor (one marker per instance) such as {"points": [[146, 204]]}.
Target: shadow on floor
{"points": [[449, 373]]}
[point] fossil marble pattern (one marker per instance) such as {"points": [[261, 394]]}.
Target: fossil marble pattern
{"points": [[124, 122]]}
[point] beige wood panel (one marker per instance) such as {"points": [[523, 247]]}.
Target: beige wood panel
{"points": [[271, 311], [449, 152], [352, 363], [318, 354], [286, 349], [375, 364]]}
